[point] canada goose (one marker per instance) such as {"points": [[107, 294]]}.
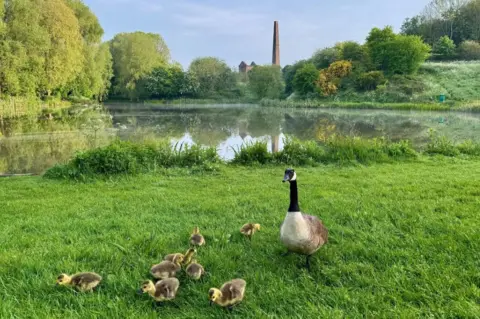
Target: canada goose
{"points": [[197, 239], [166, 268], [230, 294], [163, 290], [195, 270], [249, 229], [84, 281], [300, 233]]}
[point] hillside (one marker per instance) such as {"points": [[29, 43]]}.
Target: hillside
{"points": [[458, 80]]}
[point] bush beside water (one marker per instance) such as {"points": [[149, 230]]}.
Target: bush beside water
{"points": [[129, 158], [123, 157]]}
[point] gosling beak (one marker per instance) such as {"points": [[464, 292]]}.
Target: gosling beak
{"points": [[140, 291]]}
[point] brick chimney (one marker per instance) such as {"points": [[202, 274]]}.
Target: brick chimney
{"points": [[276, 45]]}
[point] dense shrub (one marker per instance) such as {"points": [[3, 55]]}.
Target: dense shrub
{"points": [[469, 50], [370, 80], [252, 153], [336, 149], [444, 48], [304, 80], [123, 157], [296, 152], [441, 145]]}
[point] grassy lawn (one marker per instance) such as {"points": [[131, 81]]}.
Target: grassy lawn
{"points": [[404, 242]]}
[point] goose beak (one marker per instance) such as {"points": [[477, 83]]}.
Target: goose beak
{"points": [[285, 178]]}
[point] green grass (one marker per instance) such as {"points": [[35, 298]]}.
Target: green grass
{"points": [[471, 106], [458, 80], [404, 242]]}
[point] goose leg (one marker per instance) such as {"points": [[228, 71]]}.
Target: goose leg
{"points": [[307, 264]]}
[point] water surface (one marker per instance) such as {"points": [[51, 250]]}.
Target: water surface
{"points": [[32, 144]]}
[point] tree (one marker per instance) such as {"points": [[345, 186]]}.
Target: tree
{"points": [[469, 50], [266, 81], [329, 79], [289, 72], [352, 51], [214, 76], [376, 42], [323, 58], [444, 48], [134, 56], [166, 81], [93, 81], [305, 78], [396, 54]]}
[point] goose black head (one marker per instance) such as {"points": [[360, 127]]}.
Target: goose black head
{"points": [[290, 175]]}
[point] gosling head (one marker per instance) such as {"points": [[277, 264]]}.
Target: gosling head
{"points": [[256, 226], [178, 259], [290, 175], [196, 230], [147, 287], [63, 279], [214, 294]]}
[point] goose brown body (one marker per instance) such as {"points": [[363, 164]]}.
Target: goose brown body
{"points": [[195, 270], [84, 281], [165, 289], [196, 239], [166, 268], [230, 294]]}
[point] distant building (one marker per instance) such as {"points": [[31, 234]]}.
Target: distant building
{"points": [[244, 68]]}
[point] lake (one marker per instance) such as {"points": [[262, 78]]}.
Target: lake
{"points": [[33, 144]]}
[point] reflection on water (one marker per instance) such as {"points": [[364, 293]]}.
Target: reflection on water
{"points": [[36, 143]]}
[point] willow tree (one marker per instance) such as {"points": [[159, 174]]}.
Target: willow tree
{"points": [[134, 56], [63, 58], [93, 80]]}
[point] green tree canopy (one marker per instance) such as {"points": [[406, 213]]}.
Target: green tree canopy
{"points": [[324, 57], [396, 54], [305, 79], [134, 56], [289, 74], [445, 48], [214, 77], [266, 81]]}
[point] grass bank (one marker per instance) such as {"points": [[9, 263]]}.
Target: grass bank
{"points": [[473, 106], [404, 242]]}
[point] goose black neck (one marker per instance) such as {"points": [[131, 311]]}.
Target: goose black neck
{"points": [[293, 197]]}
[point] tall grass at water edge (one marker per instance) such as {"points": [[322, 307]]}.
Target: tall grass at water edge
{"points": [[129, 158], [471, 106]]}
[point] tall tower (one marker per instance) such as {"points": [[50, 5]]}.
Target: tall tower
{"points": [[276, 45]]}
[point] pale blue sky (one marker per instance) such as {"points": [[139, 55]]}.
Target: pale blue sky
{"points": [[242, 30]]}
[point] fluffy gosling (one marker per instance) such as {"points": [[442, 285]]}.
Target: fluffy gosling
{"points": [[84, 281], [163, 290], [189, 255], [197, 239], [195, 270], [229, 295], [166, 268], [249, 229]]}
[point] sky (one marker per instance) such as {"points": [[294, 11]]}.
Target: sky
{"points": [[236, 31]]}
